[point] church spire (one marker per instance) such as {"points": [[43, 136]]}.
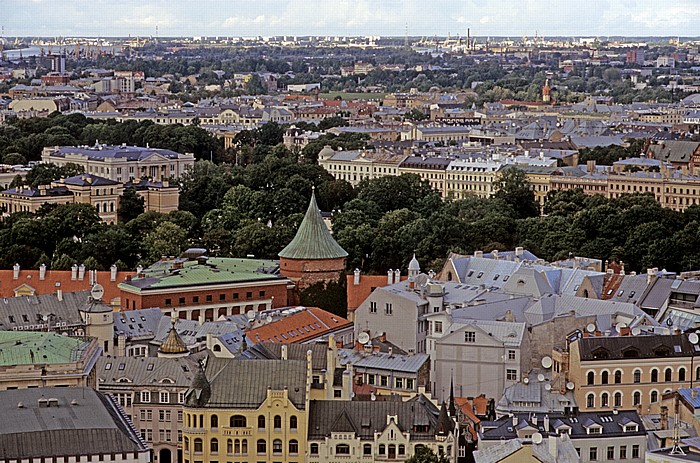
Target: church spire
{"points": [[453, 408]]}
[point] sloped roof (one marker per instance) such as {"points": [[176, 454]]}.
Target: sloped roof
{"points": [[94, 425], [299, 327], [29, 347], [145, 371], [313, 239], [244, 383], [173, 343]]}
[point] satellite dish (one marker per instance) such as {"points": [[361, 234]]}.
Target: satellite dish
{"points": [[97, 292], [526, 380], [536, 438], [693, 338], [669, 322], [570, 386], [363, 338], [540, 377], [636, 331], [546, 362], [547, 387], [421, 280], [250, 315], [590, 327], [373, 397], [269, 319]]}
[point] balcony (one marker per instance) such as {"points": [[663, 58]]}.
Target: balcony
{"points": [[186, 430], [227, 431]]}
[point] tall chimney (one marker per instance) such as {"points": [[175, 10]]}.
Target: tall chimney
{"points": [[546, 423], [664, 417], [390, 277], [42, 272], [356, 277], [74, 272], [15, 271], [113, 273], [284, 352], [81, 272], [59, 295], [515, 420], [397, 276]]}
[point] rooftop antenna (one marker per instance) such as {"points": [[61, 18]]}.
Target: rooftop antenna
{"points": [[676, 449]]}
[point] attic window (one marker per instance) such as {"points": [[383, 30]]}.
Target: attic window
{"points": [[631, 294], [505, 278], [496, 277], [122, 366], [108, 366], [630, 353], [480, 274], [471, 272], [149, 367], [601, 353], [622, 291], [662, 351], [610, 291], [576, 287]]}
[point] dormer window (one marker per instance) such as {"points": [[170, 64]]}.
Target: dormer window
{"points": [[632, 427], [601, 353], [594, 430]]}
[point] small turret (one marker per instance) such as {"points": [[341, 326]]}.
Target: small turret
{"points": [[200, 392], [413, 267]]}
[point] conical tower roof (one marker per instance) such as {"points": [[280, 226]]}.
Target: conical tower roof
{"points": [[313, 240], [173, 343]]}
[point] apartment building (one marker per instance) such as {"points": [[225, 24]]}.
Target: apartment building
{"points": [[247, 410], [356, 166], [471, 177], [626, 372]]}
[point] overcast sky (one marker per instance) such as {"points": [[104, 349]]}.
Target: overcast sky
{"points": [[349, 17]]}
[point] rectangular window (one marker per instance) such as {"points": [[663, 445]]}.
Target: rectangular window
{"points": [[623, 452], [235, 296], [635, 451], [511, 355], [511, 375], [182, 301], [261, 294], [249, 295], [195, 299], [222, 297], [372, 307], [611, 453], [168, 302], [438, 327], [164, 397], [209, 298], [145, 397], [181, 397], [409, 383], [399, 383], [593, 454], [388, 309], [469, 336], [370, 379], [383, 381]]}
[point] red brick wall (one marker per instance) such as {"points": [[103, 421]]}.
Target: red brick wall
{"points": [[293, 268], [279, 291]]}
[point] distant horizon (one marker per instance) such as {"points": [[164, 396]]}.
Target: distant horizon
{"points": [[349, 18], [397, 37]]}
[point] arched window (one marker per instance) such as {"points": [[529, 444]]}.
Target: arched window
{"points": [[214, 421], [697, 373], [186, 443], [244, 446], [402, 449], [590, 400], [668, 375], [681, 374], [637, 398], [637, 376], [392, 451], [216, 348], [198, 445], [238, 421], [293, 446], [382, 449], [277, 422], [654, 375], [229, 446], [261, 422], [367, 449], [214, 446], [314, 449], [591, 378], [654, 397], [618, 376], [342, 449], [262, 447], [604, 400], [237, 447], [618, 399], [604, 377], [293, 423], [276, 446]]}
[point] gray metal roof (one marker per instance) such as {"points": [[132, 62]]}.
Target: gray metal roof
{"points": [[145, 371], [102, 152], [244, 383], [382, 361], [79, 422], [367, 417], [28, 311]]}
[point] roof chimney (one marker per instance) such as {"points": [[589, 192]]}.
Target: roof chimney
{"points": [[284, 352], [356, 277], [15, 271], [42, 272], [113, 273], [390, 277], [74, 272], [81, 272]]}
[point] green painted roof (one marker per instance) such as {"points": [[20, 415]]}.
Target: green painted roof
{"points": [[217, 270], [17, 348], [313, 240]]}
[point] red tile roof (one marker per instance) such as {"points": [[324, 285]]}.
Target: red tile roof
{"points": [[299, 327], [49, 284]]}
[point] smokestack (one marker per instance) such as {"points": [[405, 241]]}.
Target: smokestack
{"points": [[42, 272], [113, 273], [74, 272], [356, 277], [390, 277], [397, 276], [59, 295], [15, 271], [284, 352], [81, 272]]}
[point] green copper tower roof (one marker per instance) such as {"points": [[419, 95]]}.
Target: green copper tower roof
{"points": [[313, 240]]}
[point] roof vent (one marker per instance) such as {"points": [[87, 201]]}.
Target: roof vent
{"points": [[20, 405]]}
